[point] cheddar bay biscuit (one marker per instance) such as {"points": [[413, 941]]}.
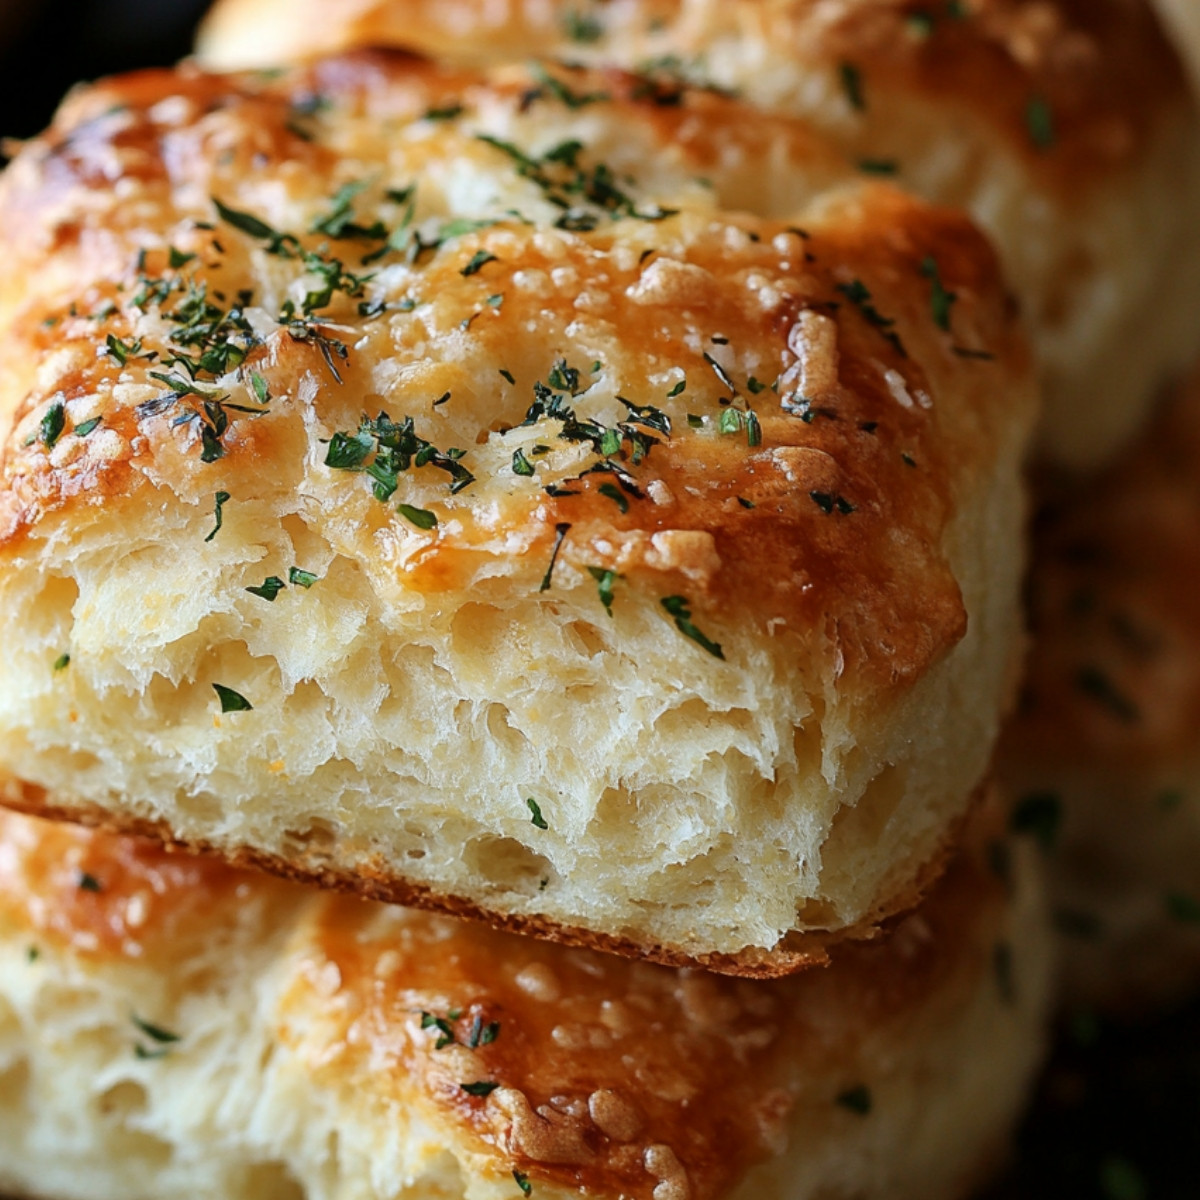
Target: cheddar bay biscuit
{"points": [[507, 494], [1063, 126], [1104, 754], [178, 1027]]}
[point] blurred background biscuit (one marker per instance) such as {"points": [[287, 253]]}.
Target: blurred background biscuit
{"points": [[1104, 754]]}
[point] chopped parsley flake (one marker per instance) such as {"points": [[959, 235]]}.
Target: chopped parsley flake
{"points": [[218, 514], [447, 112], [828, 502], [560, 532], [156, 1033], [852, 85], [878, 166], [1002, 964], [561, 92], [384, 449], [1039, 815], [422, 518], [301, 578], [268, 589], [677, 607], [262, 393], [250, 225], [62, 662], [520, 464], [1039, 121], [604, 585], [53, 422], [482, 1088], [231, 701], [1093, 682], [87, 426], [615, 494], [1121, 1180], [122, 351], [1183, 907], [481, 1034], [859, 295], [582, 28], [445, 1030], [479, 260], [856, 1099], [522, 1181], [89, 883], [535, 810], [941, 300], [584, 194]]}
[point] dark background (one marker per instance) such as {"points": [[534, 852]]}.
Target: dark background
{"points": [[1118, 1111], [48, 45]]}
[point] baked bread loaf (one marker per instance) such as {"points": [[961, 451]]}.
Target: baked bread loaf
{"points": [[423, 483], [1104, 756], [169, 1026], [1063, 126]]}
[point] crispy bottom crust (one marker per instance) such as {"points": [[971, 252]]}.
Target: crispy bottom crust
{"points": [[796, 952]]}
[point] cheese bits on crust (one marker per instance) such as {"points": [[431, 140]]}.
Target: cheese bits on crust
{"points": [[1063, 126], [174, 1023], [506, 493], [1102, 756]]}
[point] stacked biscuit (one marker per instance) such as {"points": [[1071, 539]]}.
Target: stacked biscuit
{"points": [[585, 496]]}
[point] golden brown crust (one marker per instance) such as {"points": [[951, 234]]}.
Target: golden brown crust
{"points": [[606, 1076], [1101, 70], [794, 954]]}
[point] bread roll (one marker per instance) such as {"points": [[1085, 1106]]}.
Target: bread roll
{"points": [[1105, 753], [168, 1026], [641, 572], [1063, 126]]}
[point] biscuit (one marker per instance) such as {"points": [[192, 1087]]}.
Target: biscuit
{"points": [[1063, 126], [1182, 19], [439, 485], [168, 1026], [1104, 755]]}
